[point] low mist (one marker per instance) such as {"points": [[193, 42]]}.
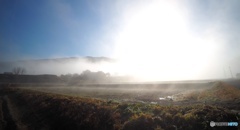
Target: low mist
{"points": [[59, 66], [143, 70]]}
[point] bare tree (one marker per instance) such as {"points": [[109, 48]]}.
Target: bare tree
{"points": [[18, 71]]}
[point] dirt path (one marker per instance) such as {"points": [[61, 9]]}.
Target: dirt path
{"points": [[10, 117], [7, 117], [2, 122], [17, 116]]}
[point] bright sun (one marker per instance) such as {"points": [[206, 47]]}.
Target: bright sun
{"points": [[156, 43]]}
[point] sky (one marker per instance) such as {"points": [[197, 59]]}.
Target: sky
{"points": [[166, 39]]}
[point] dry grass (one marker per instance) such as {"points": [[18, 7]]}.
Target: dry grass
{"points": [[67, 112], [219, 92]]}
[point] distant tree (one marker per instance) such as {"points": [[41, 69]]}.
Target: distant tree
{"points": [[108, 74], [87, 77], [18, 70], [75, 75], [66, 77], [86, 72]]}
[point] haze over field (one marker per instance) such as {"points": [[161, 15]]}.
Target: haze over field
{"points": [[151, 40]]}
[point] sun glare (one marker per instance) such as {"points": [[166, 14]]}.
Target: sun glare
{"points": [[156, 43]]}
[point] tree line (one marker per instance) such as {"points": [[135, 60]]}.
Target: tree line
{"points": [[93, 77], [86, 76]]}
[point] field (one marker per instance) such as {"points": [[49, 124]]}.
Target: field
{"points": [[155, 106]]}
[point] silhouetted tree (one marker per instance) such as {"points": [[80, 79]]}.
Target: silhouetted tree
{"points": [[89, 76], [18, 70]]}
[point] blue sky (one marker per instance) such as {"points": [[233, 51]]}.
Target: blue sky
{"points": [[55, 28], [199, 33], [42, 29]]}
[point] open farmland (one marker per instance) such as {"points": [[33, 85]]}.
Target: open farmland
{"points": [[119, 106], [126, 92]]}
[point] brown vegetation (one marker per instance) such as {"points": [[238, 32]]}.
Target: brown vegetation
{"points": [[56, 111], [219, 92]]}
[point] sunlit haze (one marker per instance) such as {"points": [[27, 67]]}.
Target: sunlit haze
{"points": [[155, 40]]}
